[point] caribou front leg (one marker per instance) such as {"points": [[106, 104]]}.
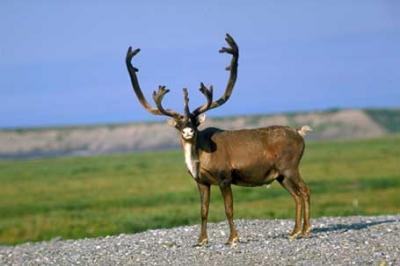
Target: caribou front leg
{"points": [[205, 203], [228, 200]]}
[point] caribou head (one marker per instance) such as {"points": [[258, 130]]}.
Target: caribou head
{"points": [[187, 122], [249, 157]]}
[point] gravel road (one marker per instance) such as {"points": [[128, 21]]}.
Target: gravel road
{"points": [[334, 241]]}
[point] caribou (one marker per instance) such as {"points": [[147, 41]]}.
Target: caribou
{"points": [[246, 157]]}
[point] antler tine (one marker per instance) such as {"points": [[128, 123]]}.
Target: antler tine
{"points": [[208, 93], [233, 49], [158, 97], [135, 83], [186, 102]]}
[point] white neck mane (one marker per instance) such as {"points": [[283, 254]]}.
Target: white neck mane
{"points": [[191, 158]]}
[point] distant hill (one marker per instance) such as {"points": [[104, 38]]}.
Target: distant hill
{"points": [[103, 139]]}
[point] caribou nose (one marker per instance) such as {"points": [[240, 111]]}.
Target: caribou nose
{"points": [[187, 132]]}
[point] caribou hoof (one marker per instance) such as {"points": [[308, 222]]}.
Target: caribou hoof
{"points": [[306, 233], [232, 241], [201, 242], [294, 235]]}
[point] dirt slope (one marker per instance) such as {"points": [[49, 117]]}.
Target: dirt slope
{"points": [[341, 124]]}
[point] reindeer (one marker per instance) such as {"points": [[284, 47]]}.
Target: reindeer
{"points": [[247, 157]]}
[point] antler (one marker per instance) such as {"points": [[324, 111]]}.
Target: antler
{"points": [[233, 49], [158, 97], [207, 92]]}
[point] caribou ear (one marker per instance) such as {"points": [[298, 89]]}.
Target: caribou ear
{"points": [[171, 122], [201, 119]]}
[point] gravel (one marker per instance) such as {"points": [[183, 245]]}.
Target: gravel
{"points": [[334, 241]]}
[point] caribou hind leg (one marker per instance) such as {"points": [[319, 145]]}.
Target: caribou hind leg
{"points": [[293, 189], [300, 192], [305, 193]]}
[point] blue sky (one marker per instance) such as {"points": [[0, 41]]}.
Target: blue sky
{"points": [[62, 62]]}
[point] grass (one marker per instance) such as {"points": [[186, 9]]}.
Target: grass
{"points": [[92, 196]]}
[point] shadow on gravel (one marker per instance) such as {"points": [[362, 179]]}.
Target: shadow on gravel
{"points": [[339, 227], [347, 227]]}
